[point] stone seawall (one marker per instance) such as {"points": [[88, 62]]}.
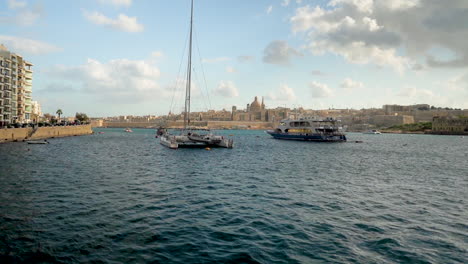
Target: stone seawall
{"points": [[61, 131], [19, 134], [14, 134]]}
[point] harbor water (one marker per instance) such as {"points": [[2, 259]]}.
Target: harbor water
{"points": [[123, 198]]}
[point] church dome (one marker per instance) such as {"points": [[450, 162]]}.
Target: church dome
{"points": [[255, 105]]}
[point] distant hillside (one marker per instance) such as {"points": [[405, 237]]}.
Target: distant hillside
{"points": [[416, 127]]}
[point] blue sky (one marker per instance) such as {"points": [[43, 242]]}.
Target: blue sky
{"points": [[117, 57]]}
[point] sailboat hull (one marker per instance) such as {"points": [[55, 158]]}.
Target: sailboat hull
{"points": [[183, 141]]}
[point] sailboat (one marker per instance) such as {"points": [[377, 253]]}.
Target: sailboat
{"points": [[191, 137]]}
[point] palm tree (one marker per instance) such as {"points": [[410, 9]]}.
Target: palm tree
{"points": [[59, 113]]}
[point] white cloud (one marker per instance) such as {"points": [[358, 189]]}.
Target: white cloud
{"points": [[245, 58], [13, 4], [122, 22], [396, 33], [285, 2], [269, 9], [349, 84], [226, 89], [216, 60], [279, 52], [320, 90], [23, 14], [157, 54], [317, 73], [29, 46], [121, 79], [28, 17], [230, 69], [415, 93], [117, 2], [458, 84], [155, 57], [283, 93]]}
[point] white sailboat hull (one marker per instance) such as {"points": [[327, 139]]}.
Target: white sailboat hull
{"points": [[184, 141], [169, 142]]}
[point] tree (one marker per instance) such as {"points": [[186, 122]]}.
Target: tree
{"points": [[82, 117], [59, 113]]}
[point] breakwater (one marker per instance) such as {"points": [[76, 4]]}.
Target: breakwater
{"points": [[19, 134]]}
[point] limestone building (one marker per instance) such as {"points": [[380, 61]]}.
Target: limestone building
{"points": [[450, 125], [15, 88], [257, 112]]}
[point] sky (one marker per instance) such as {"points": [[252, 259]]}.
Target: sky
{"points": [[128, 57]]}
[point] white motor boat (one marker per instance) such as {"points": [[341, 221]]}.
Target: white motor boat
{"points": [[309, 129], [373, 132]]}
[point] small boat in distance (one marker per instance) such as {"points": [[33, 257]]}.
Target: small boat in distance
{"points": [[38, 142], [373, 132], [309, 129], [128, 130]]}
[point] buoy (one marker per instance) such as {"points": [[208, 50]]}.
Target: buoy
{"points": [[207, 148]]}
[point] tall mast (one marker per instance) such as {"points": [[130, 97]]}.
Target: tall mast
{"points": [[189, 75]]}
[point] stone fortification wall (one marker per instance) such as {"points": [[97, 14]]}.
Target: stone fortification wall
{"points": [[130, 124], [20, 134], [390, 120], [240, 124], [14, 134], [179, 124], [61, 131]]}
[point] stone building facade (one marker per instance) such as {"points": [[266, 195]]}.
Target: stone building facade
{"points": [[455, 125]]}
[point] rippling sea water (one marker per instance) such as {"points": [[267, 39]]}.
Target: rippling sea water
{"points": [[123, 198]]}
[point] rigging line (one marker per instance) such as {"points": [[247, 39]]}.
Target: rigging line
{"points": [[178, 73], [197, 81], [201, 66]]}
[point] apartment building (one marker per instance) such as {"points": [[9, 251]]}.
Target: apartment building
{"points": [[15, 88]]}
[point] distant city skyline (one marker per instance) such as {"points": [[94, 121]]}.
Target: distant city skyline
{"points": [[123, 57]]}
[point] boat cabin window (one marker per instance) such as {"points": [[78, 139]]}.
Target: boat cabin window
{"points": [[300, 124]]}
